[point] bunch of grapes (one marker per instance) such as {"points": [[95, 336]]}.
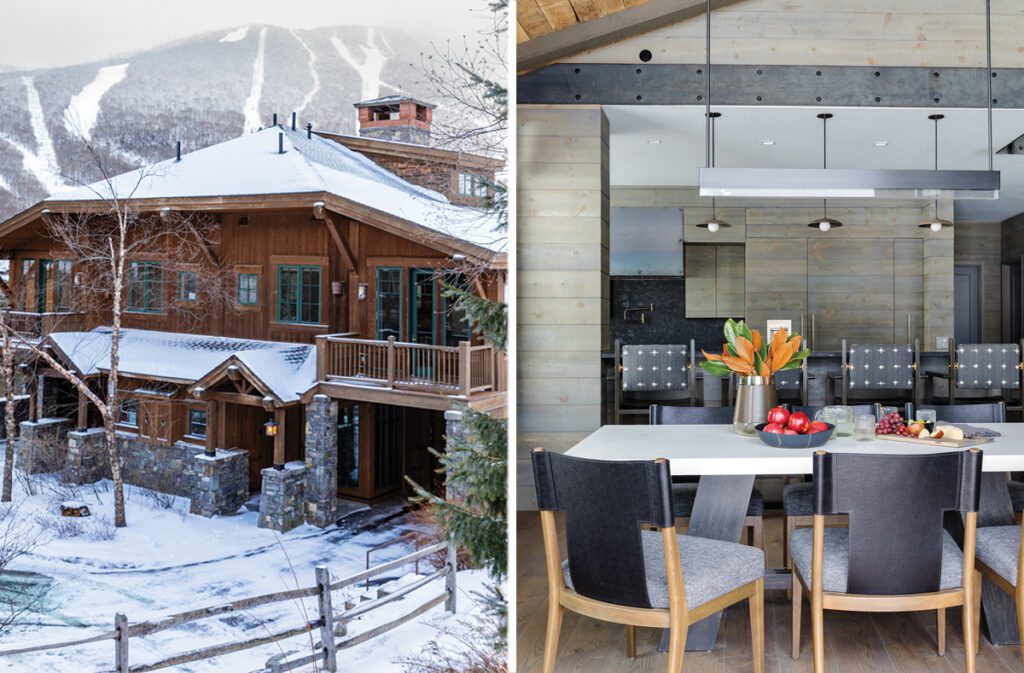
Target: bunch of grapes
{"points": [[892, 424]]}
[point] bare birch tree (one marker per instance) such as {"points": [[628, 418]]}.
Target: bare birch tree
{"points": [[9, 401]]}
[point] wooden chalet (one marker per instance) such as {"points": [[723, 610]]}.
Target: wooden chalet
{"points": [[338, 247]]}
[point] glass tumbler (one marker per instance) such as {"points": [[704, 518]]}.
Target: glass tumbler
{"points": [[864, 428]]}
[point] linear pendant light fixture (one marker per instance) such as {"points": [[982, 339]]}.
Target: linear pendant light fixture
{"points": [[936, 223], [824, 223], [849, 182], [714, 224]]}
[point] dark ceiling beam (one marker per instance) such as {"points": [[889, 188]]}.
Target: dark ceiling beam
{"points": [[769, 85], [614, 27]]}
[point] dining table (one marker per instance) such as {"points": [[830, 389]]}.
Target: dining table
{"points": [[727, 462]]}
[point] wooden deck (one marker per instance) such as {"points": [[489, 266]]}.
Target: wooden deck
{"points": [[855, 643]]}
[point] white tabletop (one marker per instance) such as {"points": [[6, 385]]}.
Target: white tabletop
{"points": [[718, 449]]}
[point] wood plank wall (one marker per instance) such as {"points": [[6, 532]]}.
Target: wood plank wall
{"points": [[563, 295], [923, 33], [860, 281], [980, 243]]}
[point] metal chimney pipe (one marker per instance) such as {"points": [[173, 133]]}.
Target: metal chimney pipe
{"points": [[309, 131], [280, 143], [178, 152], [293, 121], [275, 120]]}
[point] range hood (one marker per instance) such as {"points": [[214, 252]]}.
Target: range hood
{"points": [[849, 183]]}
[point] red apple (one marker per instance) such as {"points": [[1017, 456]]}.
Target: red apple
{"points": [[817, 426], [779, 415], [790, 431], [799, 422], [773, 427]]}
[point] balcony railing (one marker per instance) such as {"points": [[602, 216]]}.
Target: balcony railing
{"points": [[462, 370], [41, 324]]}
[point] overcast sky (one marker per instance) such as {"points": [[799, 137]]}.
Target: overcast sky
{"points": [[45, 33]]}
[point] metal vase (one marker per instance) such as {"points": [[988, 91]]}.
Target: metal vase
{"points": [[755, 397]]}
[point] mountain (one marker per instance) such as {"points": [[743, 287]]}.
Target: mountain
{"points": [[201, 91]]}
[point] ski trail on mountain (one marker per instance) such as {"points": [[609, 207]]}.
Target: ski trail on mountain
{"points": [[236, 35], [370, 68], [251, 109], [312, 73], [84, 107], [41, 163]]}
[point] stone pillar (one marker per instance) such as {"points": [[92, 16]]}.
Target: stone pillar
{"points": [[563, 287], [221, 482], [321, 461], [87, 459], [283, 497], [42, 446]]}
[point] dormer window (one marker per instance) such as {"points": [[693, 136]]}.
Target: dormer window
{"points": [[472, 185]]}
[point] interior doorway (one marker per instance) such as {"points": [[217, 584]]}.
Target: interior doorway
{"points": [[967, 328]]}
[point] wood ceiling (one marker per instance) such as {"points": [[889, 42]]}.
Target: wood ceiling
{"points": [[540, 17]]}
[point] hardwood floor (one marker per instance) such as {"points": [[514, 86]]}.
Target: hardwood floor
{"points": [[854, 643]]}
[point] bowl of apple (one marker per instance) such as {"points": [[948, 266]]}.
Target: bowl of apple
{"points": [[785, 430]]}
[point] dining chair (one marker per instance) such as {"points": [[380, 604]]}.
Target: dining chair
{"points": [[684, 490], [626, 562], [879, 368], [998, 552], [984, 367], [791, 385], [652, 373], [895, 556], [798, 497]]}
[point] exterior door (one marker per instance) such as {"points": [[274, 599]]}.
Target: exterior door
{"points": [[389, 436], [967, 304]]}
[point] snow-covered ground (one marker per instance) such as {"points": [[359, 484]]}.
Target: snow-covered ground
{"points": [[168, 561]]}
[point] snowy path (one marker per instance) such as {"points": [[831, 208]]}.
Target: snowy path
{"points": [[251, 110], [167, 561], [84, 107]]}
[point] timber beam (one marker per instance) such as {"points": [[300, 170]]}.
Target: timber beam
{"points": [[769, 85]]}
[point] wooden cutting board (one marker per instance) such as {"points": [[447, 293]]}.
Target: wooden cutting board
{"points": [[945, 443]]}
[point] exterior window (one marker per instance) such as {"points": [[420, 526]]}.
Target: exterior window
{"points": [[248, 289], [129, 413], [28, 278], [471, 184], [62, 285], [389, 303], [197, 422], [188, 286], [298, 294], [145, 287], [456, 322]]}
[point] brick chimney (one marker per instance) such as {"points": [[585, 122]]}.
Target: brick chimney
{"points": [[397, 118]]}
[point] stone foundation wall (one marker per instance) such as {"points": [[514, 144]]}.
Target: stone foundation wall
{"points": [[168, 468], [221, 484], [321, 486], [87, 459], [283, 497], [42, 445]]}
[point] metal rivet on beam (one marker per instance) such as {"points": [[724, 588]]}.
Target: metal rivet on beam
{"points": [[578, 96], [577, 71], [646, 55]]}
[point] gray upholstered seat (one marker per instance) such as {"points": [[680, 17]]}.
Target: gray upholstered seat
{"points": [[837, 558], [711, 568], [798, 499], [684, 494], [997, 547]]}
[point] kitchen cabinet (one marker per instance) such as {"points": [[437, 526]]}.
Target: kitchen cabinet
{"points": [[715, 281]]}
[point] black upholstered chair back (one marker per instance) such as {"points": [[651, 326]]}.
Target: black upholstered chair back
{"points": [[896, 504], [983, 412], [656, 369], [665, 415], [988, 366], [881, 366], [605, 503]]}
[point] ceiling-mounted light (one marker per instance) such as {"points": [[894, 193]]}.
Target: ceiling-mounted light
{"points": [[768, 143], [881, 143], [824, 223], [936, 223], [713, 224]]}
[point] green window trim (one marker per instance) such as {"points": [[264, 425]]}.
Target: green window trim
{"points": [[129, 413], [188, 286], [145, 287], [248, 287], [301, 304], [389, 285], [449, 307], [62, 288], [197, 423], [425, 278]]}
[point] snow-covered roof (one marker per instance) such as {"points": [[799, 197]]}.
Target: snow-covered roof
{"points": [[250, 165], [287, 369]]}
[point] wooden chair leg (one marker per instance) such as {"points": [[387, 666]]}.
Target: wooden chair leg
{"points": [[630, 641], [758, 528], [977, 612], [551, 636], [1020, 619], [757, 625], [970, 650], [818, 632], [787, 562], [676, 647], [940, 630], [795, 606]]}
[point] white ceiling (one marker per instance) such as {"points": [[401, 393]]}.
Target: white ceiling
{"points": [[852, 134]]}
